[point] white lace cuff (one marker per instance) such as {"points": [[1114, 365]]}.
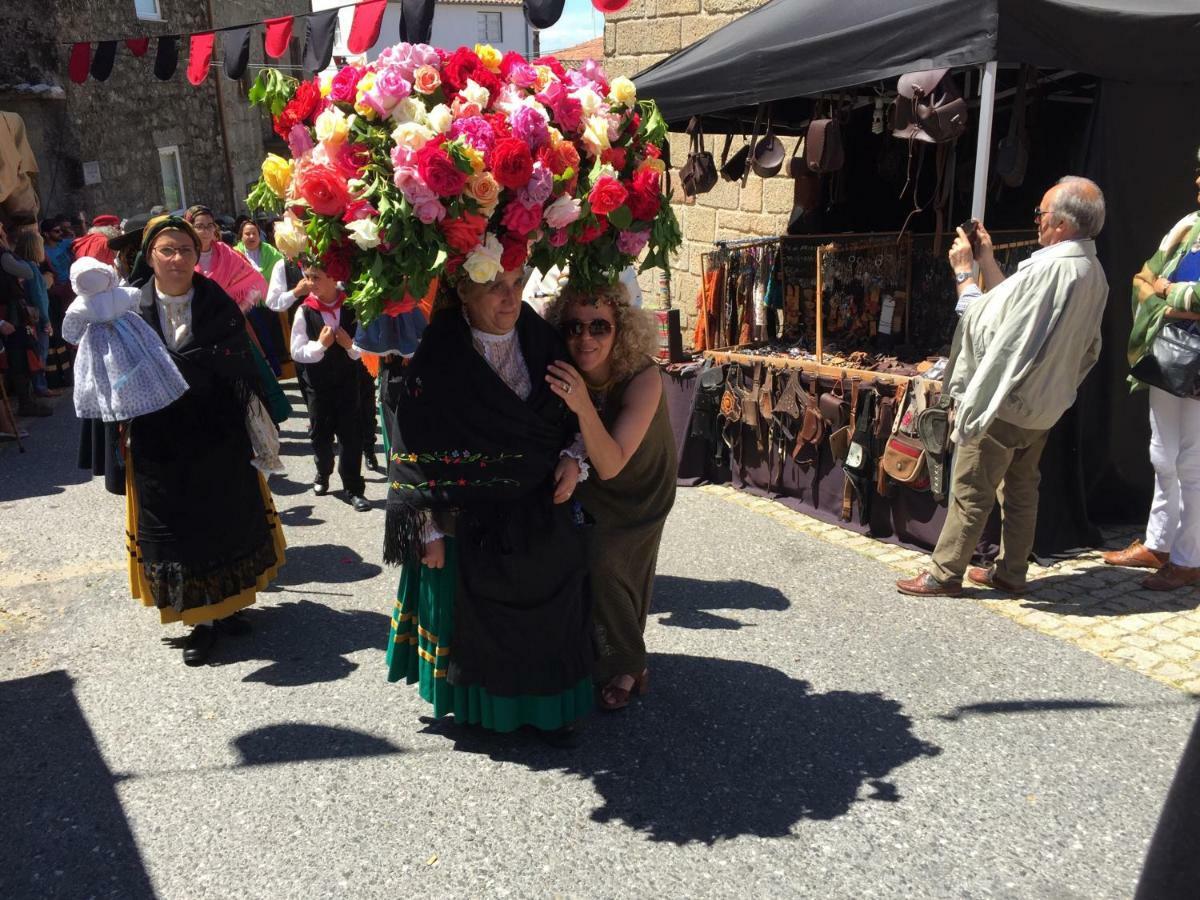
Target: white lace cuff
{"points": [[578, 452], [429, 531]]}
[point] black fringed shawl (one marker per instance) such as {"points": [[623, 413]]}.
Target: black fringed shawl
{"points": [[461, 438]]}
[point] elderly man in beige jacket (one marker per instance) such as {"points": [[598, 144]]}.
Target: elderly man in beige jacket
{"points": [[1024, 349]]}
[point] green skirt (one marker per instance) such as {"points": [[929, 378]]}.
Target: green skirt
{"points": [[419, 649]]}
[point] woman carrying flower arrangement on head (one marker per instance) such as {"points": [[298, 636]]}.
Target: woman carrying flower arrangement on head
{"points": [[466, 166]]}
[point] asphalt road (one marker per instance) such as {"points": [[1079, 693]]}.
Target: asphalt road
{"points": [[809, 732]]}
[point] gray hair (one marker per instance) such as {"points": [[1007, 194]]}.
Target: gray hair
{"points": [[1081, 202]]}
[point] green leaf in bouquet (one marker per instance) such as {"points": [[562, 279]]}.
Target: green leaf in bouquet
{"points": [[620, 218], [654, 126]]}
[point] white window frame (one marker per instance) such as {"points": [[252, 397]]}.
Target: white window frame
{"points": [[173, 151], [155, 16], [482, 27]]}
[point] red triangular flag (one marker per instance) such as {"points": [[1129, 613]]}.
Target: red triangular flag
{"points": [[364, 31], [279, 35], [199, 56], [138, 46], [80, 62]]}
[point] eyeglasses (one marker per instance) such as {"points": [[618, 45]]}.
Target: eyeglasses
{"points": [[1038, 213], [172, 252], [596, 328], [211, 226]]}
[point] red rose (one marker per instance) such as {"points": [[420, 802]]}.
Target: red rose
{"points": [[358, 209], [652, 151], [553, 65], [499, 123], [521, 219], [615, 157], [344, 84], [591, 232], [464, 233], [306, 100], [285, 122], [511, 163], [645, 195], [516, 249], [454, 263], [324, 190], [351, 159], [439, 171], [335, 263], [461, 65], [512, 59], [606, 195], [490, 80]]}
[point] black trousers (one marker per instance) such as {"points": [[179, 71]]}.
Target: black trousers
{"points": [[334, 412], [369, 414]]}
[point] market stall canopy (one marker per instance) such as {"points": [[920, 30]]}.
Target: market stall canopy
{"points": [[794, 48]]}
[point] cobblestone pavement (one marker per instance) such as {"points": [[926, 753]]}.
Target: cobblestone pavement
{"points": [[1098, 608]]}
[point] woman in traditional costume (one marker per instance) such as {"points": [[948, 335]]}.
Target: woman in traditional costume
{"points": [[273, 329], [615, 390], [492, 618], [202, 532]]}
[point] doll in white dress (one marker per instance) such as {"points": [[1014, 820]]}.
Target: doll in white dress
{"points": [[122, 368]]}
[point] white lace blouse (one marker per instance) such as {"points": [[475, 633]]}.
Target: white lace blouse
{"points": [[175, 317]]}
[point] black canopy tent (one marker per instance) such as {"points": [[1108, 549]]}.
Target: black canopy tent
{"points": [[1139, 145]]}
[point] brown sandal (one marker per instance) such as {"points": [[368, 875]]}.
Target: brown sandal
{"points": [[614, 697]]}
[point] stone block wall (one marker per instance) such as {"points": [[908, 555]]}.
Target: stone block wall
{"points": [[641, 34]]}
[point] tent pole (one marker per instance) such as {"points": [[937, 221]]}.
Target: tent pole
{"points": [[983, 146]]}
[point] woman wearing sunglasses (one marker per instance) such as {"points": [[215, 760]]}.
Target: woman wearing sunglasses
{"points": [[616, 392]]}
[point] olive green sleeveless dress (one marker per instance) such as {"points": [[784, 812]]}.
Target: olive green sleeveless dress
{"points": [[629, 512]]}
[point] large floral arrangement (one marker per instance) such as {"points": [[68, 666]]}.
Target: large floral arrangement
{"points": [[466, 163]]}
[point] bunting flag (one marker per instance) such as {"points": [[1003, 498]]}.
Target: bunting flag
{"points": [[199, 56], [364, 31], [235, 45], [543, 13], [279, 35], [319, 30], [166, 57], [102, 62], [138, 46], [80, 62], [416, 21], [610, 6]]}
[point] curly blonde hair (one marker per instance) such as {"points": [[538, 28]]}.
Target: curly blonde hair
{"points": [[636, 338]]}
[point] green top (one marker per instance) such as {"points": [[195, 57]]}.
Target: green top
{"points": [[1148, 307], [267, 257]]}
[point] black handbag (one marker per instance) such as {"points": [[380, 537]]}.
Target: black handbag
{"points": [[1173, 361]]}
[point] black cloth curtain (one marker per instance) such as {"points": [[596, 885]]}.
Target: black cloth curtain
{"points": [[416, 21], [319, 30], [235, 45], [166, 57], [543, 13], [102, 62]]}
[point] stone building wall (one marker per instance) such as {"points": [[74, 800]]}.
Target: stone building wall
{"points": [[121, 123], [643, 33]]}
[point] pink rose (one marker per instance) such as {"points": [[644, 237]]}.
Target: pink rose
{"points": [[345, 84], [558, 237], [426, 80], [562, 212], [521, 219], [632, 242], [300, 141], [391, 85], [430, 211]]}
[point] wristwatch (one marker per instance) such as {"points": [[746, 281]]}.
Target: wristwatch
{"points": [[961, 277]]}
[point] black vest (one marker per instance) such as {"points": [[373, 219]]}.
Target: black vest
{"points": [[336, 369]]}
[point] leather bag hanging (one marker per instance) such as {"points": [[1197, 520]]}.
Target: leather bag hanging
{"points": [[904, 455], [731, 397], [928, 107], [699, 173], [766, 158], [812, 428], [839, 439], [823, 150], [1173, 361]]}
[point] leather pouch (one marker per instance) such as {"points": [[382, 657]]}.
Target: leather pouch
{"points": [[835, 408], [904, 459], [699, 173], [790, 396], [766, 396], [731, 399], [750, 399]]}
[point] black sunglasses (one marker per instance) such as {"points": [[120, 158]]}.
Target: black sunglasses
{"points": [[596, 328]]}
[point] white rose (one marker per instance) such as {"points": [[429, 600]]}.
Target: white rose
{"points": [[589, 100], [332, 126], [290, 237], [440, 118], [364, 232], [410, 109], [412, 136], [622, 90], [483, 263], [476, 93]]}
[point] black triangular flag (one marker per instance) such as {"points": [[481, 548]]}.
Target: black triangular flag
{"points": [[166, 57], [543, 13], [235, 45], [416, 21], [102, 62], [319, 30]]}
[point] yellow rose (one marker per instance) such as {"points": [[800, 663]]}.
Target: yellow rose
{"points": [[544, 76], [485, 189], [475, 157], [653, 163], [364, 84], [332, 126], [621, 90], [595, 135], [290, 237], [490, 56], [277, 173], [326, 84]]}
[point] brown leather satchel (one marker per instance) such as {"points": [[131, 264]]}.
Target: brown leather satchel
{"points": [[928, 107], [823, 150], [834, 408], [839, 439], [750, 398], [699, 173], [766, 396], [790, 402], [731, 397], [904, 455], [812, 428]]}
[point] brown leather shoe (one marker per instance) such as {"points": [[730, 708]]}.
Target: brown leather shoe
{"points": [[925, 585], [987, 578], [1172, 577], [1137, 555]]}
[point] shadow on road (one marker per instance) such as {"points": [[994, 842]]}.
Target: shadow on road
{"points": [[688, 600], [722, 748], [301, 642], [298, 516], [1134, 599], [1008, 707], [291, 742], [324, 564], [66, 834]]}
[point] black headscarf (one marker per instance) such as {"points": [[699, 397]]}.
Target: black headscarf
{"points": [[461, 438], [141, 273]]}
